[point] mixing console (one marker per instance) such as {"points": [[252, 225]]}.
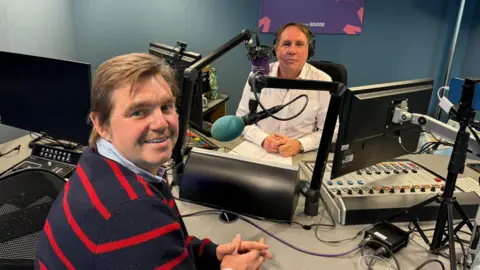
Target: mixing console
{"points": [[59, 161], [196, 139], [383, 189], [388, 177]]}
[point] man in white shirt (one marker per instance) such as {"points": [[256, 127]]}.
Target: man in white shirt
{"points": [[293, 46]]}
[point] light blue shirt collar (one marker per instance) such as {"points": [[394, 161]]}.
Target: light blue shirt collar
{"points": [[106, 149]]}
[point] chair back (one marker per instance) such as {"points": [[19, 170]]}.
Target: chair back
{"points": [[26, 197], [338, 72]]}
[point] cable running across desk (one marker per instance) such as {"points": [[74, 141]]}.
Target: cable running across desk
{"points": [[16, 148], [272, 235], [361, 247]]}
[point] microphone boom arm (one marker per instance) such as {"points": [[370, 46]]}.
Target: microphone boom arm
{"points": [[433, 125], [258, 81], [189, 76]]}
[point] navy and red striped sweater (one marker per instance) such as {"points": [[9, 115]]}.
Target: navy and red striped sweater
{"points": [[108, 217]]}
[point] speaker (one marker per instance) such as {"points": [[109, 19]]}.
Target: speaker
{"points": [[242, 185]]}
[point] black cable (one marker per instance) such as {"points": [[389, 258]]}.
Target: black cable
{"points": [[430, 261], [428, 147], [463, 251], [16, 148], [386, 249], [308, 227], [43, 136], [348, 240], [476, 125], [474, 134], [278, 118]]}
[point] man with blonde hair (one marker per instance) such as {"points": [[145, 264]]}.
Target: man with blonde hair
{"points": [[117, 211]]}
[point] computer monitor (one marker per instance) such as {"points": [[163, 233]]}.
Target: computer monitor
{"points": [[45, 95], [180, 59], [366, 134]]}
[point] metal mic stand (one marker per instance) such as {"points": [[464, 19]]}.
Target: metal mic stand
{"points": [[189, 76], [465, 116]]}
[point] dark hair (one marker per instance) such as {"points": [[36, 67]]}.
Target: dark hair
{"points": [[129, 69], [300, 26]]}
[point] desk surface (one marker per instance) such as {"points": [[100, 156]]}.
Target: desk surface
{"points": [[213, 103], [285, 257]]}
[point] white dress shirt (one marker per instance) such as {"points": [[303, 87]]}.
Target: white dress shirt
{"points": [[307, 127]]}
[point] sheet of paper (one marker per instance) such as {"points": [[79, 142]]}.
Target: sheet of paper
{"points": [[251, 150]]}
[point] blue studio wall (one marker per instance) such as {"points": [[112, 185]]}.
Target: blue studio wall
{"points": [[43, 28], [400, 40]]}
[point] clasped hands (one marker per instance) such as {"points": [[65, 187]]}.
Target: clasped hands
{"points": [[243, 255], [285, 146]]}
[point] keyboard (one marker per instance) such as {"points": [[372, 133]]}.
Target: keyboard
{"points": [[468, 184]]}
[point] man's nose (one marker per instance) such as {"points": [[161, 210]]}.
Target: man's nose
{"points": [[158, 121], [292, 50]]}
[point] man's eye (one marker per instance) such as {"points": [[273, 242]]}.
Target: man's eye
{"points": [[167, 108], [138, 113]]}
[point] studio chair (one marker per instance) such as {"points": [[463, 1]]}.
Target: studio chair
{"points": [[26, 197], [338, 72]]}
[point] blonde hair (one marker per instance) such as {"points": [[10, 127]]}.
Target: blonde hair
{"points": [[129, 69]]}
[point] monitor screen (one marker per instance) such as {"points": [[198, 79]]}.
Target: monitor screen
{"points": [[45, 95], [366, 134]]}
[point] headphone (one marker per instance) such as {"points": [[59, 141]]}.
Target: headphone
{"points": [[310, 37]]}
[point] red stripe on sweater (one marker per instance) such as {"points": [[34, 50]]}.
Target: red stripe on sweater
{"points": [[42, 266], [113, 245], [138, 239], [73, 224], [204, 243], [170, 203], [145, 185], [174, 261], [56, 248], [121, 178], [91, 193], [188, 240]]}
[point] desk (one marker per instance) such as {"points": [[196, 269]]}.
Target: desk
{"points": [[285, 257], [14, 157], [215, 108]]}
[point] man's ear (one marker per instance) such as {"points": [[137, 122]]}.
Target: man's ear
{"points": [[103, 130]]}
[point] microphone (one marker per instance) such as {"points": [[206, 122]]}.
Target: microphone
{"points": [[228, 128], [259, 56]]}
